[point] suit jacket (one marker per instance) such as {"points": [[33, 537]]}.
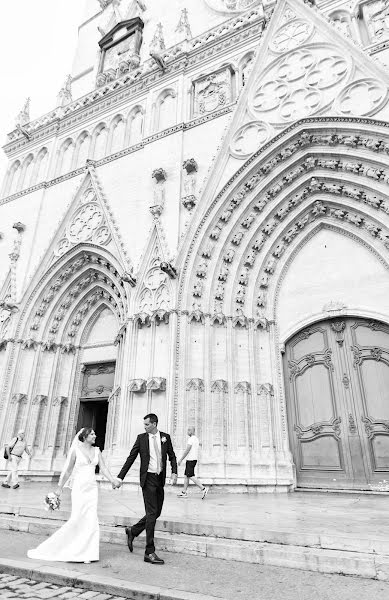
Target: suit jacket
{"points": [[142, 448]]}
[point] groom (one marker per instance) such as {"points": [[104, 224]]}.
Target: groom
{"points": [[153, 447]]}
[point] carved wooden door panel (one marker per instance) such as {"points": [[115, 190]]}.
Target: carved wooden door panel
{"points": [[315, 409], [369, 365], [337, 384]]}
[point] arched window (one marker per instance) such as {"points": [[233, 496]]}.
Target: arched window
{"points": [[100, 142], [40, 166], [82, 149], [165, 110], [135, 126], [65, 157], [117, 134]]}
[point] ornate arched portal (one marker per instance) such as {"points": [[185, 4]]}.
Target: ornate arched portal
{"points": [[63, 340], [321, 186]]}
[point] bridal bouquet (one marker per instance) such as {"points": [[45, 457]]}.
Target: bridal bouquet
{"points": [[52, 501]]}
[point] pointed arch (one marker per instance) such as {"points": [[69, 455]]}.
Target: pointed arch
{"points": [[116, 134], [99, 141], [134, 127], [82, 149], [40, 166], [65, 157], [12, 181]]}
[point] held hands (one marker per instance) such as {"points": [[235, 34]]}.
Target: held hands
{"points": [[117, 483]]}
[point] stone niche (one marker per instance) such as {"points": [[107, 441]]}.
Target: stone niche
{"points": [[120, 50], [213, 91]]}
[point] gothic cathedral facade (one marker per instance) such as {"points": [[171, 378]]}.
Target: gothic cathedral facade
{"points": [[200, 228]]}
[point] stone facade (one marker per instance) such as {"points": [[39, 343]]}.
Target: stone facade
{"points": [[200, 194]]}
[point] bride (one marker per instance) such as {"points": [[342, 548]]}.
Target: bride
{"points": [[78, 539]]}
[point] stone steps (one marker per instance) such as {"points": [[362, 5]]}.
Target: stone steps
{"points": [[321, 553]]}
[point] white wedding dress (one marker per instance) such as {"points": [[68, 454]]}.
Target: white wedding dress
{"points": [[78, 539]]}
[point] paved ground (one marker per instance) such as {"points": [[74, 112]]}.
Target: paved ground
{"points": [[358, 516], [15, 587], [218, 578]]}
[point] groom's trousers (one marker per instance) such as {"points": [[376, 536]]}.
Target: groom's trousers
{"points": [[153, 496]]}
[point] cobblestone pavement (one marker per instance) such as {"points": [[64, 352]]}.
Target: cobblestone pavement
{"points": [[20, 588]]}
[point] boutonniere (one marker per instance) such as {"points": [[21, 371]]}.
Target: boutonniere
{"points": [[163, 439]]}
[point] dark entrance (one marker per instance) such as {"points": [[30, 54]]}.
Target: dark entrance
{"points": [[97, 386]]}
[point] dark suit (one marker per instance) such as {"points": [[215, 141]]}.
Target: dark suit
{"points": [[151, 483]]}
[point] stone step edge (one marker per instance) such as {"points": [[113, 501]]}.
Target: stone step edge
{"points": [[343, 562], [223, 532], [96, 583]]}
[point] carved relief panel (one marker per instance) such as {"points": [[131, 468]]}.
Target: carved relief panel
{"points": [[213, 91]]}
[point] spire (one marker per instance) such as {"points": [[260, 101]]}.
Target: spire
{"points": [[183, 30]]}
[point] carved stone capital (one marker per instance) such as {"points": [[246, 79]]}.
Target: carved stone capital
{"points": [[20, 227], [142, 319], [156, 384], [137, 385], [243, 386], [190, 166], [189, 202], [16, 398], [219, 385], [59, 400], [159, 175], [195, 384]]}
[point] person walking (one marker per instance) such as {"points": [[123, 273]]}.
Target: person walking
{"points": [[15, 449], [154, 447], [78, 539], [191, 454]]}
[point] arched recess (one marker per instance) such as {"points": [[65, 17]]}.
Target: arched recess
{"points": [[50, 345], [82, 149], [165, 109], [134, 127], [13, 178], [65, 157], [116, 135], [40, 167], [27, 171], [318, 174], [99, 141]]}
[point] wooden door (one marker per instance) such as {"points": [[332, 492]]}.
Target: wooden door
{"points": [[336, 377]]}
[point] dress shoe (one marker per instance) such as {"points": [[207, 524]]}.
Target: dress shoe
{"points": [[154, 559], [130, 538], [5, 485], [15, 487]]}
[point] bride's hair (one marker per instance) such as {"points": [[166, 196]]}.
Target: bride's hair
{"points": [[85, 431]]}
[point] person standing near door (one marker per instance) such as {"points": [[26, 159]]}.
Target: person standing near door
{"points": [[16, 449], [154, 447]]}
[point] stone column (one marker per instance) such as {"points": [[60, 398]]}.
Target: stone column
{"points": [[36, 404]]}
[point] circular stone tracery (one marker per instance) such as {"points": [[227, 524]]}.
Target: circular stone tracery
{"points": [[299, 84]]}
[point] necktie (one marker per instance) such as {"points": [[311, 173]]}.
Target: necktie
{"points": [[158, 454]]}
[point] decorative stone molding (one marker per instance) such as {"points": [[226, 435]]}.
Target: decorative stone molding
{"points": [[120, 334], [68, 348], [195, 384], [30, 343], [160, 316], [156, 384], [137, 385], [17, 398], [49, 345], [20, 227], [196, 315], [142, 319], [219, 319], [243, 386], [159, 175], [39, 399], [219, 385]]}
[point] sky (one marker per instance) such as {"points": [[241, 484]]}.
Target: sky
{"points": [[37, 45]]}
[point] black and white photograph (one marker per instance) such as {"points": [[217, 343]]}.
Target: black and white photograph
{"points": [[194, 313]]}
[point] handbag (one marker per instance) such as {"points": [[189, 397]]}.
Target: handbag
{"points": [[6, 453]]}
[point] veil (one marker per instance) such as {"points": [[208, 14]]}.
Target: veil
{"points": [[75, 444]]}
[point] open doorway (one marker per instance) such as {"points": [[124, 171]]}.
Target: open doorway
{"points": [[96, 388]]}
